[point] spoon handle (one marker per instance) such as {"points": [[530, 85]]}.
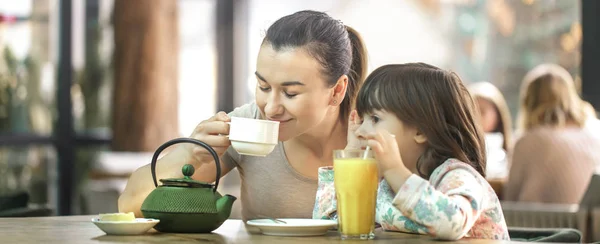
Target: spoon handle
{"points": [[278, 221]]}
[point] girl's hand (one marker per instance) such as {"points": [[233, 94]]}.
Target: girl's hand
{"points": [[386, 150], [353, 142], [388, 158]]}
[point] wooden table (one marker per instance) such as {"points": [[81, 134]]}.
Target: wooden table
{"points": [[80, 229]]}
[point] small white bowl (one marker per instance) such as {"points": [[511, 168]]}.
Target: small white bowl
{"points": [[252, 148], [136, 227]]}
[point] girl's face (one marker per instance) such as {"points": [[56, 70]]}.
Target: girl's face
{"points": [[410, 150], [488, 114], [290, 89]]}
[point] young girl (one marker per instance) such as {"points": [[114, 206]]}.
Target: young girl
{"points": [[419, 121]]}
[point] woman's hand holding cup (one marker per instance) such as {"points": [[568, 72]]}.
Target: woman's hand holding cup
{"points": [[213, 132]]}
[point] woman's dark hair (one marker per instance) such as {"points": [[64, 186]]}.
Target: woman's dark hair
{"points": [[437, 103], [338, 48]]}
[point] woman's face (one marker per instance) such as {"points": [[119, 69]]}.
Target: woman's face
{"points": [[489, 115], [291, 89]]}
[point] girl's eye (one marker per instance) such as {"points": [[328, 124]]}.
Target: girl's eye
{"points": [[375, 119], [265, 89]]}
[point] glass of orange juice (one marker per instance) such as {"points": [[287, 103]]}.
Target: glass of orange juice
{"points": [[356, 179]]}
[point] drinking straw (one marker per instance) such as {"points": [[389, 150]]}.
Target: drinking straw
{"points": [[366, 153]]}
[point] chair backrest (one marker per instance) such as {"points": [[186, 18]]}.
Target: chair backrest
{"points": [[544, 215], [591, 198]]}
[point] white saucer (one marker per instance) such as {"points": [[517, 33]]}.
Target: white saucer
{"points": [[136, 227], [293, 227]]}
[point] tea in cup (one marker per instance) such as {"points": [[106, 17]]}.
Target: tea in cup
{"points": [[253, 137]]}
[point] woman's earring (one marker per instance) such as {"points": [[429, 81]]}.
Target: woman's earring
{"points": [[334, 102]]}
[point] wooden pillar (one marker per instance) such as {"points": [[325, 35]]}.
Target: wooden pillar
{"points": [[225, 59], [590, 52], [145, 97]]}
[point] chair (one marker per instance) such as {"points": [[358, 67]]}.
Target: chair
{"points": [[13, 200], [560, 235], [27, 212], [591, 198], [581, 217], [546, 216], [595, 225], [591, 201], [498, 186], [16, 205]]}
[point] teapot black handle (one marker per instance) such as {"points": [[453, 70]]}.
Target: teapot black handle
{"points": [[188, 140]]}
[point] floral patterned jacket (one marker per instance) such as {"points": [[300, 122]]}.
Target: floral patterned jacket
{"points": [[456, 202]]}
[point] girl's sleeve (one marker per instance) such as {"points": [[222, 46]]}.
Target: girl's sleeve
{"points": [[447, 212], [391, 218], [325, 202]]}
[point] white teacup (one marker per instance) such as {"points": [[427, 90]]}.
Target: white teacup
{"points": [[253, 137]]}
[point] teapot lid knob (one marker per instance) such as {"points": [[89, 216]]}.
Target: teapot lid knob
{"points": [[187, 181], [188, 170]]}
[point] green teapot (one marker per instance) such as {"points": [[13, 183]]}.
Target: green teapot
{"points": [[184, 205]]}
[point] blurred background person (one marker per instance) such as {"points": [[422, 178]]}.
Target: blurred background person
{"points": [[555, 156], [496, 122]]}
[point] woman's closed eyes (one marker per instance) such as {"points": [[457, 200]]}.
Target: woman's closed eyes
{"points": [[286, 93]]}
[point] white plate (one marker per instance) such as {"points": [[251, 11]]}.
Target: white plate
{"points": [[136, 227], [293, 227]]}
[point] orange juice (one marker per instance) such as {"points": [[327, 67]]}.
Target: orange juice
{"points": [[356, 183]]}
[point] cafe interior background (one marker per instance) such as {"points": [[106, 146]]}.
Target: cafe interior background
{"points": [[90, 88]]}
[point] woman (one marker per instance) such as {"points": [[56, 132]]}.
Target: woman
{"points": [[309, 69], [555, 157], [496, 123]]}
